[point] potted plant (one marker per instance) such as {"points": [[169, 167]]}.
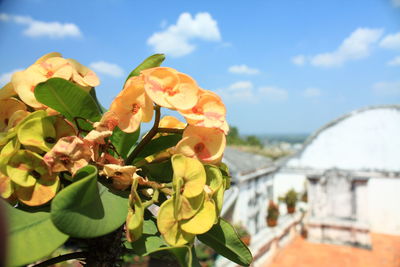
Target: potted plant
{"points": [[243, 234], [273, 214], [290, 200], [206, 255]]}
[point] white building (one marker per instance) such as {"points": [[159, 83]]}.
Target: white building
{"points": [[365, 144], [351, 168]]}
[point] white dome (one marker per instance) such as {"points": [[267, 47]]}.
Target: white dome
{"points": [[367, 139]]}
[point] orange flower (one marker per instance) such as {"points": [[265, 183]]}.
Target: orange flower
{"points": [[68, 154], [209, 112], [8, 108], [24, 82], [132, 106], [205, 144], [82, 75], [122, 176], [49, 66], [171, 122], [169, 88]]}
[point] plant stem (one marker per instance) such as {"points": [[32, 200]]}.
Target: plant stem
{"points": [[61, 258], [152, 201], [153, 131], [170, 130]]}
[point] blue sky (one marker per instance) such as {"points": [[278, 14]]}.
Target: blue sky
{"points": [[281, 66]]}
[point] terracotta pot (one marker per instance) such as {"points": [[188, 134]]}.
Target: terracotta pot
{"points": [[246, 239], [291, 209], [272, 222]]}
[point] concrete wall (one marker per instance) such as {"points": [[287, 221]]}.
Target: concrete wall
{"points": [[384, 205], [250, 209], [364, 140], [286, 180]]}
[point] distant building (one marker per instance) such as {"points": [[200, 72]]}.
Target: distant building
{"points": [[252, 187], [246, 204], [352, 169]]}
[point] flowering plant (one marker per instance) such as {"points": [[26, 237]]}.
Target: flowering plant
{"points": [[76, 173]]}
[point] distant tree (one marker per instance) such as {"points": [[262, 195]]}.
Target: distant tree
{"points": [[253, 140], [234, 138]]}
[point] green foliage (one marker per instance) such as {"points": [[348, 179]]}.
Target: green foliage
{"points": [[290, 198], [68, 99], [32, 236], [234, 138], [150, 62], [253, 140], [241, 230], [157, 145], [124, 142], [86, 208], [273, 211], [82, 206], [159, 171], [223, 238]]}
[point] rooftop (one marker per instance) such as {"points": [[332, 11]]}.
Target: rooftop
{"points": [[385, 253], [241, 162]]}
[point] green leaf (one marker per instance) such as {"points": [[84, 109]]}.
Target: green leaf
{"points": [[124, 142], [68, 99], [161, 171], [157, 145], [183, 254], [150, 62], [93, 94], [150, 241], [86, 208], [32, 236], [223, 238]]}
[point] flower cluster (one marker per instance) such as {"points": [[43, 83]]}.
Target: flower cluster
{"points": [[29, 130], [40, 148]]}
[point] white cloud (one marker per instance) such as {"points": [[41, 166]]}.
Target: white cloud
{"points": [[238, 91], [36, 28], [312, 92], [387, 88], [6, 77], [391, 41], [274, 93], [243, 69], [107, 68], [396, 3], [394, 62], [356, 46], [175, 40], [299, 60]]}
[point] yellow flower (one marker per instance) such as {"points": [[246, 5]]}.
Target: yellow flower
{"points": [[68, 154], [209, 112], [122, 176], [49, 66], [8, 108], [34, 185], [169, 88], [205, 144], [82, 75], [171, 122], [24, 82], [132, 106]]}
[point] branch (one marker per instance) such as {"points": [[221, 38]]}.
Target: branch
{"points": [[61, 258], [153, 131]]}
